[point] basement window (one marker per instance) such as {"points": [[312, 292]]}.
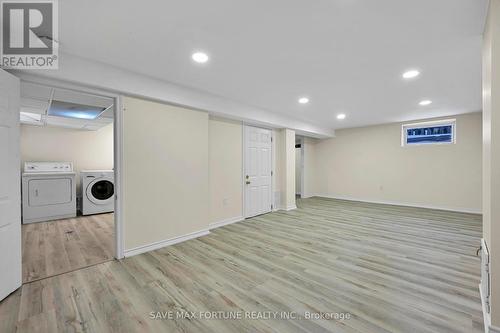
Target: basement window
{"points": [[428, 133]]}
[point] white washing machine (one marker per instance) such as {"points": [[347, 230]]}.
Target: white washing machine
{"points": [[48, 191], [98, 191]]}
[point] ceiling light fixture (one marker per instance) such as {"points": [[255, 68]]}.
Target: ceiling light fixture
{"points": [[425, 102], [410, 74], [341, 116], [200, 57], [303, 100]]}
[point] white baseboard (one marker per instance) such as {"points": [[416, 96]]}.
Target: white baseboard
{"points": [[493, 329], [287, 208], [225, 222], [405, 204], [158, 245], [486, 315], [488, 328]]}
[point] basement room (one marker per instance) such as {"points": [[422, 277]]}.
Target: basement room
{"points": [[250, 166]]}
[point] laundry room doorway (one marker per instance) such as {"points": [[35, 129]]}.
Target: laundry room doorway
{"points": [[69, 178]]}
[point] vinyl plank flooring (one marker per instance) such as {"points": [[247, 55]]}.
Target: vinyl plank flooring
{"points": [[390, 268], [55, 247]]}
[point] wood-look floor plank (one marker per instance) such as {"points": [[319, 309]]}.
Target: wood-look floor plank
{"points": [[55, 247], [392, 269]]}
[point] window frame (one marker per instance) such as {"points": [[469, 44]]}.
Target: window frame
{"points": [[424, 124]]}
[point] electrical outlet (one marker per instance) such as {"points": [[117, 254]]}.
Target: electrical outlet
{"points": [[224, 202]]}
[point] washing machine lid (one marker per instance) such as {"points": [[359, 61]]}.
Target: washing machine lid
{"points": [[101, 190]]}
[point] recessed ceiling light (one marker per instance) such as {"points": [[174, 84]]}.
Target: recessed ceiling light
{"points": [[425, 102], [410, 74], [303, 100], [341, 116], [200, 57]]}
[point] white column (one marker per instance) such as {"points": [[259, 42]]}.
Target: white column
{"points": [[289, 151]]}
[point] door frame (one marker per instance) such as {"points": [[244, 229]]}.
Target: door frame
{"points": [[243, 167], [11, 229], [117, 145]]}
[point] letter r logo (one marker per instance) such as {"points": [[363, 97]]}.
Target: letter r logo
{"points": [[27, 27]]}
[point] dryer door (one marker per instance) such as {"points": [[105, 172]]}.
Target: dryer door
{"points": [[52, 191], [101, 191]]}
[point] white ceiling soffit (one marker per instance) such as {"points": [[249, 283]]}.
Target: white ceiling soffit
{"points": [[78, 71], [81, 98], [35, 91], [346, 56]]}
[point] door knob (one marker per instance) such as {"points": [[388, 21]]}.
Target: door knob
{"points": [[247, 182]]}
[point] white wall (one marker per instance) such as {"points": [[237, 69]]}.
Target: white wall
{"points": [[298, 170], [225, 165], [182, 172], [369, 164], [288, 169], [284, 168], [491, 151], [86, 149], [279, 167], [309, 169], [165, 172]]}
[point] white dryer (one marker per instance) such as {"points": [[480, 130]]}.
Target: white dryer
{"points": [[98, 191], [48, 191]]}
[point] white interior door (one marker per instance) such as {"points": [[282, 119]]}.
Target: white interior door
{"points": [[10, 196], [258, 167]]}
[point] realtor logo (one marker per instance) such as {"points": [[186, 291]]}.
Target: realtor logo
{"points": [[29, 34]]}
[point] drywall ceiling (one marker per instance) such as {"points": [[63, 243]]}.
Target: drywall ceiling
{"points": [[347, 56], [36, 101]]}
